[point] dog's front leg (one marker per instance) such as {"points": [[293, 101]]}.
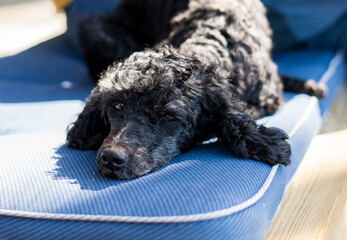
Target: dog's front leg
{"points": [[91, 127], [246, 139]]}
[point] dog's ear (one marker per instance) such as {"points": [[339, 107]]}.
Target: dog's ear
{"points": [[91, 127], [246, 139]]}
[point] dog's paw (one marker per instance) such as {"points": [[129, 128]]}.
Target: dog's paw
{"points": [[313, 88], [266, 145], [270, 146], [248, 140]]}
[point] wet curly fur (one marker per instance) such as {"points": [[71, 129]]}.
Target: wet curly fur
{"points": [[175, 73]]}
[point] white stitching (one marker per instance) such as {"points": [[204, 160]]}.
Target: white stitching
{"points": [[334, 63]]}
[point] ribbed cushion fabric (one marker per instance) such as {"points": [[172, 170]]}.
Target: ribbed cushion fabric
{"points": [[48, 191]]}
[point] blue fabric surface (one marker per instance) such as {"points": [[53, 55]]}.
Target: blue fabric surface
{"points": [[42, 90]]}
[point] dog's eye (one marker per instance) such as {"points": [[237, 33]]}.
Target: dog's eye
{"points": [[118, 106], [166, 118]]}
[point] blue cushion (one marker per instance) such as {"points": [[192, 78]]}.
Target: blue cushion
{"points": [[305, 21], [48, 191], [294, 22]]}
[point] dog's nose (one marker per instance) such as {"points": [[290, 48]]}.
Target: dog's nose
{"points": [[113, 159]]}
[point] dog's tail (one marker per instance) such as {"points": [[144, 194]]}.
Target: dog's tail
{"points": [[310, 87]]}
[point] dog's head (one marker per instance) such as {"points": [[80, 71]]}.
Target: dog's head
{"points": [[152, 103]]}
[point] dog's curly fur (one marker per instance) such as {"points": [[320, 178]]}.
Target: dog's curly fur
{"points": [[185, 70]]}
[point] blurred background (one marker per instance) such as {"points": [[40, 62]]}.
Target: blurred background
{"points": [[25, 23]]}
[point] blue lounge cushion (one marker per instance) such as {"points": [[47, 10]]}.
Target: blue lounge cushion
{"points": [[49, 191]]}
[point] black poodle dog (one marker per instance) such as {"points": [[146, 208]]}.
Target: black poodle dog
{"points": [[173, 73]]}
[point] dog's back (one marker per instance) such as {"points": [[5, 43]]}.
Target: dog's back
{"points": [[236, 37]]}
